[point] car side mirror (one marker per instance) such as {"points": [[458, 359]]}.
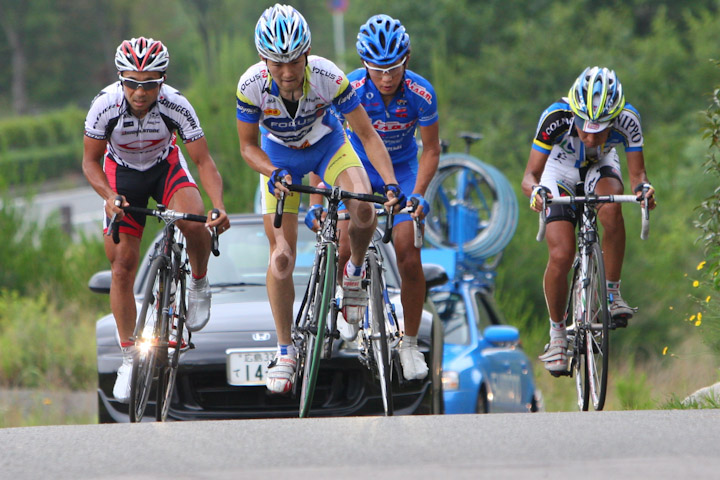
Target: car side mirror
{"points": [[501, 335], [100, 282], [435, 275]]}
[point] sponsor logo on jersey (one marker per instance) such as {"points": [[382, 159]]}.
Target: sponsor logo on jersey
{"points": [[141, 144], [251, 80], [181, 110], [359, 83], [136, 132], [559, 123], [419, 90], [272, 112], [128, 123], [325, 73], [402, 101], [381, 126], [630, 125]]}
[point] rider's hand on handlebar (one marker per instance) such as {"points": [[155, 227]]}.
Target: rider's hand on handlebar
{"points": [[423, 207], [536, 201], [314, 216], [649, 194], [396, 198], [222, 222], [275, 183], [112, 209]]}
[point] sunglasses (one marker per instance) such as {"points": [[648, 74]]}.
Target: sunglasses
{"points": [[146, 85], [392, 71]]}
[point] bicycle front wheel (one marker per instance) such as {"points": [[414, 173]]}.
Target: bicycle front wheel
{"points": [[324, 294], [597, 343], [378, 322], [147, 332], [168, 372], [576, 340]]}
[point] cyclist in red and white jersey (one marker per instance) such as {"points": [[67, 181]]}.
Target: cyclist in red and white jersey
{"points": [[576, 140], [286, 99], [130, 151]]}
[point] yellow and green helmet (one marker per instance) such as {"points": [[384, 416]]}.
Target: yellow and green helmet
{"points": [[596, 98]]}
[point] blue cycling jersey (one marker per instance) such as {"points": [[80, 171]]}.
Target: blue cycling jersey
{"points": [[414, 104]]}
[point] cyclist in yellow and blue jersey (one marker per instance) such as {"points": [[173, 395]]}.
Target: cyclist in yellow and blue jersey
{"points": [[399, 102], [576, 140], [286, 99]]}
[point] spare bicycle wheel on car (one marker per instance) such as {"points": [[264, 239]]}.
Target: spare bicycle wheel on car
{"points": [[473, 207]]}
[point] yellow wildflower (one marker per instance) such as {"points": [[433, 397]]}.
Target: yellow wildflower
{"points": [[701, 265], [697, 324], [665, 350], [707, 300], [696, 283]]}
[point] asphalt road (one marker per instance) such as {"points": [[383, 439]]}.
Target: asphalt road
{"points": [[595, 445]]}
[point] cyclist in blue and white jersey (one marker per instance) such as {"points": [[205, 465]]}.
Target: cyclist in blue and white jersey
{"points": [[130, 151], [398, 101], [286, 99], [576, 140]]}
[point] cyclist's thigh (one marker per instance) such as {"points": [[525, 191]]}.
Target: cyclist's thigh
{"points": [[406, 177], [560, 237], [404, 243], [296, 161], [342, 166], [175, 176], [137, 187], [605, 177], [561, 180]]}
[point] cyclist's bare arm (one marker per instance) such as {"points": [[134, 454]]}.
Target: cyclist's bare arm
{"points": [[93, 152], [254, 156], [533, 173], [638, 176], [428, 162], [210, 179]]}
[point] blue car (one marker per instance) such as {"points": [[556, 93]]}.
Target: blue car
{"points": [[485, 370]]}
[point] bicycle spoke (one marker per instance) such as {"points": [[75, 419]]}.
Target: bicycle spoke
{"points": [[378, 329]]}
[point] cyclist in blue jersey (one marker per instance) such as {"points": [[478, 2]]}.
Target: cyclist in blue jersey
{"points": [[575, 141], [398, 101], [286, 99]]}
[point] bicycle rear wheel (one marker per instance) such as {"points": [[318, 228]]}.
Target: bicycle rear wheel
{"points": [[315, 333], [147, 332], [378, 322], [168, 371], [597, 341]]}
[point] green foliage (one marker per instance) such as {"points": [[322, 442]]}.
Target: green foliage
{"points": [[43, 346]]}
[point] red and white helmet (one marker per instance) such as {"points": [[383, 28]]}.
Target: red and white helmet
{"points": [[142, 55]]}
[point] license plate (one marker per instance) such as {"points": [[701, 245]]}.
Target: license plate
{"points": [[248, 366]]}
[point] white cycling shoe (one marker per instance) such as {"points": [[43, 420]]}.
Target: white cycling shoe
{"points": [[199, 298], [355, 298], [413, 362], [121, 390], [555, 357], [280, 374]]}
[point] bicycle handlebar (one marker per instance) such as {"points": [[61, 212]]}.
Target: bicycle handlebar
{"points": [[593, 200], [328, 193], [168, 216]]}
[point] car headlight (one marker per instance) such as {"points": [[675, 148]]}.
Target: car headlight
{"points": [[450, 380]]}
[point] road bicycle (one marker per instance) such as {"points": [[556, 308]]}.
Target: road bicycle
{"points": [[159, 328], [379, 333], [587, 317], [315, 328]]}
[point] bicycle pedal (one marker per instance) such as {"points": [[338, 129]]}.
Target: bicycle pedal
{"points": [[562, 373]]}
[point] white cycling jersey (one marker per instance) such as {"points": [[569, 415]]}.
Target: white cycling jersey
{"points": [[325, 85], [141, 143]]}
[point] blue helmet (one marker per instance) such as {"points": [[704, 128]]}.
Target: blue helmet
{"points": [[282, 34], [382, 40]]}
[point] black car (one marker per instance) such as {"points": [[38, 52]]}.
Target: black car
{"points": [[222, 377]]}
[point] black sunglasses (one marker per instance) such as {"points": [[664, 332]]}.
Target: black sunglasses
{"points": [[146, 85]]}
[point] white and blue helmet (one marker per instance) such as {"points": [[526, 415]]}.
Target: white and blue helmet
{"points": [[282, 34], [596, 98], [382, 40]]}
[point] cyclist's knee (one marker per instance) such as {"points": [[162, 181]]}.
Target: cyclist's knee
{"points": [[364, 216], [282, 262], [561, 258]]}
